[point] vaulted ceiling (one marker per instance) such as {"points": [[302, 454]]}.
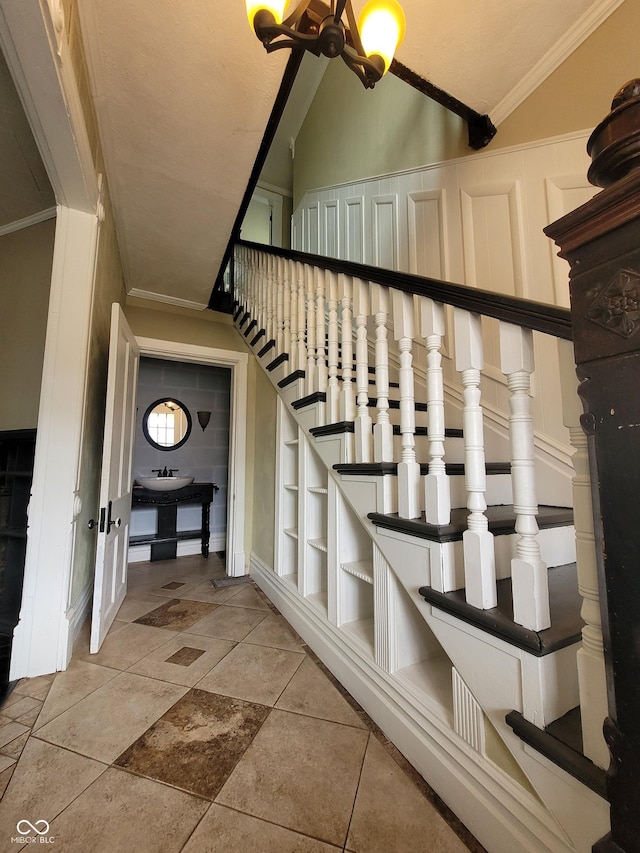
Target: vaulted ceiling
{"points": [[183, 92]]}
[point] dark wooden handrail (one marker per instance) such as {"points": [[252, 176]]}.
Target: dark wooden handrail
{"points": [[537, 316]]}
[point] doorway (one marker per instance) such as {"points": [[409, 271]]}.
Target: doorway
{"points": [[182, 426]]}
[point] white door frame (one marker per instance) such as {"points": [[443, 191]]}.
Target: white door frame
{"points": [[236, 490]]}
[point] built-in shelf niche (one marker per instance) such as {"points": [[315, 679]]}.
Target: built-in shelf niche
{"points": [[355, 576], [315, 478], [288, 497]]}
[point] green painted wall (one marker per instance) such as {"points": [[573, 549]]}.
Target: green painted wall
{"points": [[351, 133]]}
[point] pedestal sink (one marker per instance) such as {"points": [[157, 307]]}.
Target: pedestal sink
{"points": [[164, 484]]}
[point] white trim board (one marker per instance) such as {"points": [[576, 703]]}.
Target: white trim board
{"points": [[28, 221], [238, 362]]}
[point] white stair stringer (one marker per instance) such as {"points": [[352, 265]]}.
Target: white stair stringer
{"points": [[503, 814]]}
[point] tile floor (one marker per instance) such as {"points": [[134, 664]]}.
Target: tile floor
{"points": [[205, 725]]}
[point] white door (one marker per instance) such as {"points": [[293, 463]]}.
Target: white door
{"points": [[110, 584]]}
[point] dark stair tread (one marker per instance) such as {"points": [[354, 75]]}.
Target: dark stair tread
{"points": [[277, 361], [501, 522], [255, 340], [250, 328], [561, 743], [265, 349], [395, 404], [309, 400], [339, 428], [291, 378], [453, 432], [454, 469], [564, 602]]}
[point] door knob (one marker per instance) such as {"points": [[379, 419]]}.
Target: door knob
{"points": [[92, 523]]}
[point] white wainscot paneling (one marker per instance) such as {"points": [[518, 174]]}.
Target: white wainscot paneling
{"points": [[564, 194], [427, 238], [493, 237], [313, 228], [353, 245], [385, 231], [331, 229]]}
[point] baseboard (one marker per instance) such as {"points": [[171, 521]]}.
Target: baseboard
{"points": [[76, 616], [142, 553], [499, 812]]}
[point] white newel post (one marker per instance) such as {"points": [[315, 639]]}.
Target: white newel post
{"points": [[311, 330], [383, 429], [347, 396], [362, 424], [437, 492], [591, 669], [302, 316], [479, 555], [321, 353], [529, 580], [286, 312], [293, 352], [333, 386], [408, 467]]}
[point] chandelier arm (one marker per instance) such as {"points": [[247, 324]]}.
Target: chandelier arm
{"points": [[340, 6], [297, 13], [368, 70], [353, 30], [295, 40]]}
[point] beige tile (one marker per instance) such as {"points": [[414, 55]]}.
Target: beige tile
{"points": [[176, 614], [207, 592], [122, 812], [228, 623], [276, 632], [21, 705], [11, 731], [392, 814], [14, 748], [6, 761], [255, 673], [157, 665], [127, 645], [111, 718], [36, 687], [45, 781], [5, 778], [223, 830], [135, 606], [30, 717], [166, 590], [310, 692], [301, 773], [248, 596], [77, 682]]}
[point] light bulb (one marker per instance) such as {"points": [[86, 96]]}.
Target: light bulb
{"points": [[382, 25], [276, 7]]}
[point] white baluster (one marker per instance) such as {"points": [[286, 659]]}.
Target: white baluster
{"points": [[479, 556], [333, 386], [529, 580], [321, 335], [311, 330], [362, 423], [271, 300], [302, 316], [437, 492], [383, 429], [293, 353], [591, 669], [286, 310], [279, 306], [347, 396], [263, 272], [408, 468]]}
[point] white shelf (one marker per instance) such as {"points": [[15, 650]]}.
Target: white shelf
{"points": [[292, 532], [318, 544], [361, 569], [292, 579], [318, 490], [291, 443], [291, 487], [430, 678], [363, 631], [319, 601]]}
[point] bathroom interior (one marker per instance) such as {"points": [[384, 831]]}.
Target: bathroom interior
{"points": [[181, 436]]}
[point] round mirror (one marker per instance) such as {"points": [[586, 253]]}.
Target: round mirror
{"points": [[166, 424]]}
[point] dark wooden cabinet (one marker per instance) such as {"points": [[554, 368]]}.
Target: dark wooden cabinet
{"points": [[164, 542], [17, 450]]}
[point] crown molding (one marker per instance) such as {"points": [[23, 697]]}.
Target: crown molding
{"points": [[34, 219], [167, 300], [561, 50]]}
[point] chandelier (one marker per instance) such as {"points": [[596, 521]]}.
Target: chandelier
{"points": [[366, 47]]}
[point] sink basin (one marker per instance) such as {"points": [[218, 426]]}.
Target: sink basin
{"points": [[164, 484]]}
